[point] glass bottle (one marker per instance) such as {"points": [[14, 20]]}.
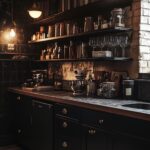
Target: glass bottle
{"points": [[60, 53], [91, 86], [66, 52], [72, 51], [55, 51]]}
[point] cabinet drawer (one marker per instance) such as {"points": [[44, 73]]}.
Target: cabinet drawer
{"points": [[68, 111], [96, 119], [68, 143], [131, 127], [67, 127]]}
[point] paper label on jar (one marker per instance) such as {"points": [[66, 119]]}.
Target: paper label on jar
{"points": [[128, 92]]}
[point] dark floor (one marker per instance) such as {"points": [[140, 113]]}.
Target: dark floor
{"points": [[11, 147]]}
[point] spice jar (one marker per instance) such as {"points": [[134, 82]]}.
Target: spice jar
{"points": [[128, 88]]}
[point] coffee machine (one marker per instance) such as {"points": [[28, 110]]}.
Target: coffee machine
{"points": [[39, 77]]}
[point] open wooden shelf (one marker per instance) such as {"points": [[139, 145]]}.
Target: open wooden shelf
{"points": [[88, 59], [16, 60], [16, 53], [83, 11], [96, 32]]}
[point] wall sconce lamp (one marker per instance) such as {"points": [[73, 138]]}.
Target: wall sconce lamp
{"points": [[35, 12]]}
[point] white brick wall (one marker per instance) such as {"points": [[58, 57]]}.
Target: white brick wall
{"points": [[144, 37]]}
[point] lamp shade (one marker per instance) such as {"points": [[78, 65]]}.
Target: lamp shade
{"points": [[35, 12]]}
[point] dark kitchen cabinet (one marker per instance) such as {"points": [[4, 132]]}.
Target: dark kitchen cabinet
{"points": [[96, 139], [22, 115], [96, 130], [128, 143], [68, 131], [33, 123], [107, 131], [129, 133], [42, 126], [67, 134]]}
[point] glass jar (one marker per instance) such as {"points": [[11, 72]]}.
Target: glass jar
{"points": [[88, 24]]}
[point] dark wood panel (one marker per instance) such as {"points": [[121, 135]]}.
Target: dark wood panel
{"points": [[89, 9]]}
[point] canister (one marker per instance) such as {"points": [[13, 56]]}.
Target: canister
{"points": [[128, 89]]}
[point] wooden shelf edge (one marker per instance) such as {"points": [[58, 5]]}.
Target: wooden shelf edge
{"points": [[9, 53], [96, 32], [88, 59]]}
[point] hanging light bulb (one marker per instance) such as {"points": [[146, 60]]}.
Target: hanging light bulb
{"points": [[12, 33], [35, 12]]}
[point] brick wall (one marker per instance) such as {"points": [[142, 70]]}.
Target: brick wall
{"points": [[144, 38], [139, 20]]}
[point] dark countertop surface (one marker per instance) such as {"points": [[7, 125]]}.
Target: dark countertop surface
{"points": [[113, 106]]}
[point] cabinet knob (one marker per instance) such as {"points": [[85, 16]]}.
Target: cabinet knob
{"points": [[64, 111], [92, 132], [64, 144], [19, 131], [65, 125], [18, 98], [101, 121]]}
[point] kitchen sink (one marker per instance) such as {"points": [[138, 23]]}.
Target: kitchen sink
{"points": [[138, 106]]}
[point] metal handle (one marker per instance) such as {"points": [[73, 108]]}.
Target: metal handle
{"points": [[64, 144], [92, 132], [101, 121], [40, 106], [65, 124], [64, 111], [31, 120], [18, 98]]}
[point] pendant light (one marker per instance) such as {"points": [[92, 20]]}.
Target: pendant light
{"points": [[12, 32], [35, 12], [9, 32]]}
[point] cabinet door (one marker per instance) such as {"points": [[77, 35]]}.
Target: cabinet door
{"points": [[122, 142], [23, 107], [68, 134], [129, 133], [96, 139], [42, 126]]}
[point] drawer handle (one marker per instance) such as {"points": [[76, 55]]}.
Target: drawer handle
{"points": [[64, 144], [101, 121], [92, 132], [40, 106], [65, 125], [18, 98], [64, 111]]}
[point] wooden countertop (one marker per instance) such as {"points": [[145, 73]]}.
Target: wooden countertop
{"points": [[113, 106]]}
